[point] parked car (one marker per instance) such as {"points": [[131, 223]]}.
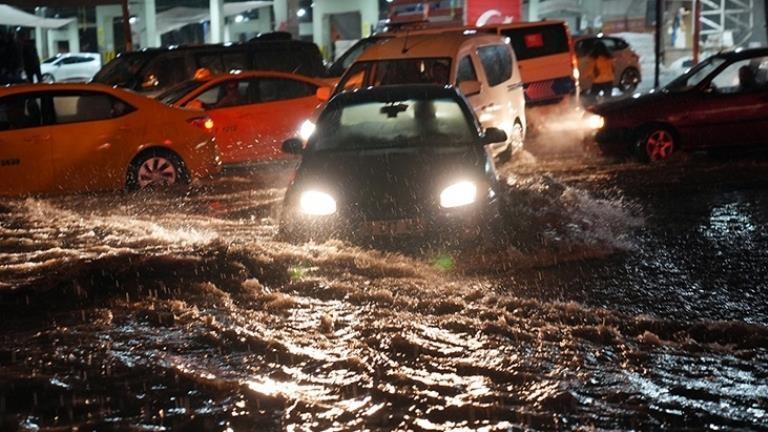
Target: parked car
{"points": [[396, 161], [482, 66], [153, 70], [721, 102], [70, 67], [253, 112], [626, 62], [88, 137]]}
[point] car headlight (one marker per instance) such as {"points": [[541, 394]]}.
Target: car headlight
{"points": [[306, 129], [458, 194], [595, 121], [317, 203]]}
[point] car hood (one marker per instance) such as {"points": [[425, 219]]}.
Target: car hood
{"points": [[387, 183]]}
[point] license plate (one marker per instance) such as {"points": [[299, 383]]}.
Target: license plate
{"points": [[394, 227]]}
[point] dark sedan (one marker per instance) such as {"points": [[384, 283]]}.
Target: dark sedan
{"points": [[721, 102], [404, 161]]}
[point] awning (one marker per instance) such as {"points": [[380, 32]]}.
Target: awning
{"points": [[10, 16], [177, 17]]}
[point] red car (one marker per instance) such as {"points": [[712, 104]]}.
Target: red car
{"points": [[253, 112], [721, 102]]}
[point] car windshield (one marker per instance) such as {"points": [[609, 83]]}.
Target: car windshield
{"points": [[50, 60], [173, 94], [350, 56], [122, 71], [400, 71], [695, 76], [404, 123]]}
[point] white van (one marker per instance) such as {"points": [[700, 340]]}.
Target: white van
{"points": [[482, 66]]}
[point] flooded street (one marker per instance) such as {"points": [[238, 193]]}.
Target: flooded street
{"points": [[619, 296]]}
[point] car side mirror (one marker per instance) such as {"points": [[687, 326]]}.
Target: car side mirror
{"points": [[493, 135], [323, 93], [195, 104], [293, 146], [470, 88]]}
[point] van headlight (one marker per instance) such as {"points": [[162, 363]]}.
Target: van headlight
{"points": [[317, 203], [458, 194]]}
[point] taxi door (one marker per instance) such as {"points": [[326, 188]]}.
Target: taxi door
{"points": [[87, 140], [284, 104], [227, 104], [25, 157]]}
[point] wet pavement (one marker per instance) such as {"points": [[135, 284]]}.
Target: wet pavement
{"points": [[621, 296]]}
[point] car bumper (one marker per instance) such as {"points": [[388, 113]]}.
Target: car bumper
{"points": [[443, 225], [614, 140]]}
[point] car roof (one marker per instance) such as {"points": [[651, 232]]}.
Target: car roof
{"points": [[743, 53], [421, 45], [260, 74], [213, 47]]}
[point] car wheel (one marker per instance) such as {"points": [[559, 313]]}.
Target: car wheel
{"points": [[48, 78], [656, 144], [629, 80], [156, 170]]}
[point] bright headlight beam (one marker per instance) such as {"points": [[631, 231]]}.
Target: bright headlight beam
{"points": [[317, 203], [595, 121], [306, 129], [458, 194]]}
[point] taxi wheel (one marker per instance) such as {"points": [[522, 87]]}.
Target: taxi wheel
{"points": [[156, 170], [657, 143]]}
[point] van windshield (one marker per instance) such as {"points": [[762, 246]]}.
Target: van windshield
{"points": [[398, 71], [538, 41], [122, 71], [405, 123]]}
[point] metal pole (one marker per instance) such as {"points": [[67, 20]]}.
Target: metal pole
{"points": [[657, 42], [127, 26], [696, 29]]}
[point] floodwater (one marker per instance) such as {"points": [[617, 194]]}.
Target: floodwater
{"points": [[622, 296]]}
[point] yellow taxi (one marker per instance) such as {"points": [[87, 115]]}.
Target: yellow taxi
{"points": [[254, 112], [58, 138]]}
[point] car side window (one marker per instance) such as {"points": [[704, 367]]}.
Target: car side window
{"points": [[497, 63], [610, 43], [276, 89], [81, 107], [165, 71], [742, 76], [465, 71], [355, 77], [20, 112], [227, 94]]}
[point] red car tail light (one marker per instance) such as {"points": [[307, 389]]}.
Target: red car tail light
{"points": [[204, 123]]}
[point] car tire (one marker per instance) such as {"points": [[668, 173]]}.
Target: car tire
{"points": [[156, 169], [48, 78], [629, 80], [516, 141], [656, 144]]}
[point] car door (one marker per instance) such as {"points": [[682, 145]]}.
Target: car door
{"points": [[494, 110], [226, 103], [88, 135], [25, 162], [283, 105], [733, 111]]}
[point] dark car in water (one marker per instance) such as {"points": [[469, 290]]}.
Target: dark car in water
{"points": [[396, 161], [155, 69], [720, 103]]}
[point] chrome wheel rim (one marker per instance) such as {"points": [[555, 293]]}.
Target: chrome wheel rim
{"points": [[156, 171], [659, 145]]}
